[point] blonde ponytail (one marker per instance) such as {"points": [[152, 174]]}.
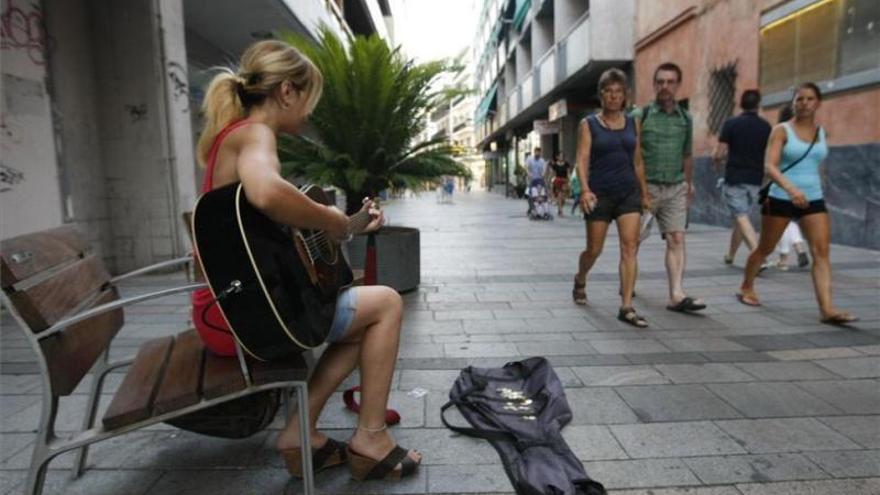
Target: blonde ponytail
{"points": [[264, 66]]}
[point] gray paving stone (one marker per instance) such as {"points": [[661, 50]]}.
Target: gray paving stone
{"points": [[609, 376], [101, 482], [592, 443], [703, 373], [12, 482], [579, 348], [487, 478], [754, 468], [848, 464], [641, 473], [762, 436], [440, 446], [785, 371], [674, 440], [810, 354], [13, 443], [702, 344], [19, 384], [675, 403], [518, 325], [666, 358], [225, 482], [864, 430], [848, 487], [836, 338], [773, 342], [628, 346], [596, 406], [498, 349], [777, 399], [864, 367], [715, 490], [474, 314], [427, 379], [538, 337], [852, 397]]}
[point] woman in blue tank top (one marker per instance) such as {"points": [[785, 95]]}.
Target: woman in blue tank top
{"points": [[798, 147], [612, 174]]}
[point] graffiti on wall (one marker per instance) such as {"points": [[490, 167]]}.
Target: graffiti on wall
{"points": [[9, 177], [137, 112], [22, 28], [179, 86]]}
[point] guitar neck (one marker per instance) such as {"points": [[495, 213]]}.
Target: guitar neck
{"points": [[358, 221]]}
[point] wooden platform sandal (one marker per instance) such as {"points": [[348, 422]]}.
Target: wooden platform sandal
{"points": [[331, 454], [579, 293], [363, 468]]}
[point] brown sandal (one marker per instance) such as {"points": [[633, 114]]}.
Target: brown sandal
{"points": [[364, 468], [333, 453], [579, 293]]}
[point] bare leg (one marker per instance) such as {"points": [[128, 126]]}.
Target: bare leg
{"points": [[735, 240], [817, 229], [675, 261], [772, 228], [747, 232], [628, 230], [371, 343], [596, 232]]}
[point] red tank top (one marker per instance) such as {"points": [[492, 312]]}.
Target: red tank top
{"points": [[206, 314]]}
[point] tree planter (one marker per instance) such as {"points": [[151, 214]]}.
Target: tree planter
{"points": [[397, 257]]}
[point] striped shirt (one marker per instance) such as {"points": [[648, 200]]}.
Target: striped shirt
{"points": [[667, 138]]}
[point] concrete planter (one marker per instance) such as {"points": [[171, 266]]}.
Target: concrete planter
{"points": [[398, 255]]}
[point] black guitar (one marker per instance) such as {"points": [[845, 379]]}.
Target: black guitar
{"points": [[276, 286]]}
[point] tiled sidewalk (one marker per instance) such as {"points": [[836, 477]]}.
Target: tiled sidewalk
{"points": [[736, 401]]}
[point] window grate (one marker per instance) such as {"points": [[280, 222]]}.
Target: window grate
{"points": [[722, 95]]}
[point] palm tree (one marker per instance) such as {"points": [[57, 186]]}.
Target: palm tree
{"points": [[365, 127]]}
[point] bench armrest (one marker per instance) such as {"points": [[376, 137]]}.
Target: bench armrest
{"points": [[119, 303], [157, 266]]}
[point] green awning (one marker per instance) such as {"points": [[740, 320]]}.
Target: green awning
{"points": [[522, 9], [483, 108], [496, 32]]}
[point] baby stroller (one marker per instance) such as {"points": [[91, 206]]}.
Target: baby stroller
{"points": [[539, 206]]}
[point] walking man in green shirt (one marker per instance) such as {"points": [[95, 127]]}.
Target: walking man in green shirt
{"points": [[667, 149]]}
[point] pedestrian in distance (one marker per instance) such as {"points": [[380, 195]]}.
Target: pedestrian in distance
{"points": [[613, 188], [561, 169], [742, 144], [273, 92], [794, 155], [666, 138]]}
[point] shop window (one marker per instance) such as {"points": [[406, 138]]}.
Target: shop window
{"points": [[823, 41], [722, 96]]}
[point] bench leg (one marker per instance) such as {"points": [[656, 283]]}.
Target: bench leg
{"points": [[302, 405], [82, 453], [42, 455]]}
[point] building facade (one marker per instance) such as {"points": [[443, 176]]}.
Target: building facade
{"points": [[100, 107], [537, 65], [778, 44]]}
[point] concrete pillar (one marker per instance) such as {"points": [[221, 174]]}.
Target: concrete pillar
{"points": [[145, 138], [523, 61]]}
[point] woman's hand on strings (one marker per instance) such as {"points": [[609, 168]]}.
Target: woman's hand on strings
{"points": [[377, 218]]}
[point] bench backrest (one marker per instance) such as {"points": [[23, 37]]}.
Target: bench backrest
{"points": [[48, 276]]}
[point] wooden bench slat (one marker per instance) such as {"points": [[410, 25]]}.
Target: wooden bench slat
{"points": [[183, 375], [134, 399], [222, 376], [27, 255], [71, 354], [290, 368], [48, 301]]}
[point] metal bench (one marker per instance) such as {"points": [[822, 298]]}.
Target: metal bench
{"points": [[69, 308]]}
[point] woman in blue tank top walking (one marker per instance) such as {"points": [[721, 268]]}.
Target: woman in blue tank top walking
{"points": [[612, 177], [796, 195]]}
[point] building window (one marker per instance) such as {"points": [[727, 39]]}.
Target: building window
{"points": [[825, 40], [722, 96]]}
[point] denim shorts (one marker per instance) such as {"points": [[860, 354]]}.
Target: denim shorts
{"points": [[740, 198], [346, 304]]}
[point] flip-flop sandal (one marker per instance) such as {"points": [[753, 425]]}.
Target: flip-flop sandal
{"points": [[364, 468], [579, 294], [392, 417], [840, 319], [331, 454], [685, 305], [748, 300], [629, 315]]}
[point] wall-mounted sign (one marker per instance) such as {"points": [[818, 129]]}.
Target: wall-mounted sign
{"points": [[558, 110], [546, 127]]}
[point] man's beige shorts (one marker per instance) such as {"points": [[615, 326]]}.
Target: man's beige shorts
{"points": [[670, 206]]}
